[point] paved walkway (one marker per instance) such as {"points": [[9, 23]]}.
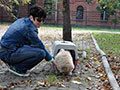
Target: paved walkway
{"points": [[87, 75], [96, 31]]}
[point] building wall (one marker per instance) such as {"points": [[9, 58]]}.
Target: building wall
{"points": [[23, 11], [91, 16], [4, 16]]}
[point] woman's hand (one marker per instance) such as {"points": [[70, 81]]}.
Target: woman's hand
{"points": [[54, 64]]}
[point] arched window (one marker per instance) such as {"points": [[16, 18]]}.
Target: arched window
{"points": [[79, 13]]}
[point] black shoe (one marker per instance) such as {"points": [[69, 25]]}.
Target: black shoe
{"points": [[13, 70]]}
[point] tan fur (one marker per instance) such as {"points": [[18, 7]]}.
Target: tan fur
{"points": [[64, 61]]}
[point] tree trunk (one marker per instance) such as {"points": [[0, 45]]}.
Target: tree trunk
{"points": [[66, 21]]}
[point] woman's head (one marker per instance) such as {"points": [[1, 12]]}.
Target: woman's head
{"points": [[37, 11], [37, 15]]}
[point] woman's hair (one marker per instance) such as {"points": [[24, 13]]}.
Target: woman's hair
{"points": [[37, 11]]}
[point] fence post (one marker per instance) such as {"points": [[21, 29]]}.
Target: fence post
{"points": [[86, 17], [56, 11]]}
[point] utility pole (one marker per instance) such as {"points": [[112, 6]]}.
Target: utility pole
{"points": [[56, 11]]}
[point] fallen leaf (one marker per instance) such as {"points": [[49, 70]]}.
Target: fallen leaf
{"points": [[28, 81], [103, 79], [89, 78], [22, 82], [103, 72], [78, 79], [87, 65], [76, 82], [89, 83], [3, 87], [100, 85], [95, 58], [60, 84], [78, 62], [97, 62], [40, 83], [99, 75], [92, 75]]}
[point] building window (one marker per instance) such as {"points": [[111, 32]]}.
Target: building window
{"points": [[48, 8], [104, 16], [79, 13]]}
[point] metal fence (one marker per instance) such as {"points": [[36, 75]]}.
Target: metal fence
{"points": [[87, 18]]}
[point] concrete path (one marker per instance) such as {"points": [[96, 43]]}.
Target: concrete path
{"points": [[89, 74], [96, 31]]}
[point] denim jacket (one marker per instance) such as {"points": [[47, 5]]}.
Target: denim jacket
{"points": [[22, 32]]}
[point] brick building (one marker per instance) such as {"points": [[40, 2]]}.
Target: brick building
{"points": [[81, 13]]}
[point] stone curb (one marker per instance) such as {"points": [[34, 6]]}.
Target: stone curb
{"points": [[110, 74]]}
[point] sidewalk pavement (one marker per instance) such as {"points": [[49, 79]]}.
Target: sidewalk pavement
{"points": [[87, 75]]}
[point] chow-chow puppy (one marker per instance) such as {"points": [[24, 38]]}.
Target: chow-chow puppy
{"points": [[64, 62]]}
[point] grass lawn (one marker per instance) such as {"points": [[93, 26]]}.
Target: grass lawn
{"points": [[109, 43]]}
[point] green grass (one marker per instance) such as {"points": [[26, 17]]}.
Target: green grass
{"points": [[109, 43]]}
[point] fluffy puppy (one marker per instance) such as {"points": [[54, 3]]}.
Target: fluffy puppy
{"points": [[64, 62]]}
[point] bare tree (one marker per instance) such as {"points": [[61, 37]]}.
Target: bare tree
{"points": [[66, 21]]}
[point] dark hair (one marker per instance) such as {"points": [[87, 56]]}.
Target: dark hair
{"points": [[37, 11]]}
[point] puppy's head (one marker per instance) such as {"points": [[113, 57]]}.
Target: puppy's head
{"points": [[66, 69]]}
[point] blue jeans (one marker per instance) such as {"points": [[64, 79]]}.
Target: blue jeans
{"points": [[26, 58]]}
